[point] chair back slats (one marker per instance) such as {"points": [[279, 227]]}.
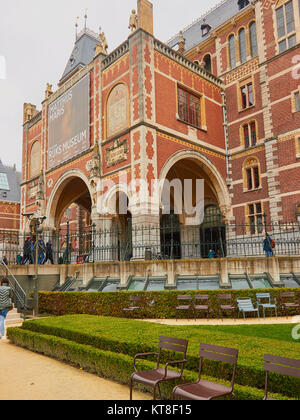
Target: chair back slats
{"points": [[245, 304], [201, 297], [282, 365], [225, 297], [282, 370], [174, 344], [217, 356], [219, 349], [184, 297], [222, 354], [287, 294]]}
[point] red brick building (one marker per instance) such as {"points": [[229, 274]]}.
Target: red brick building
{"points": [[223, 108]]}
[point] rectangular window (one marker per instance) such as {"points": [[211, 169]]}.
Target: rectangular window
{"points": [[246, 136], [247, 96], [297, 101], [255, 218], [189, 107], [4, 182], [256, 177], [253, 134], [286, 26], [249, 179]]}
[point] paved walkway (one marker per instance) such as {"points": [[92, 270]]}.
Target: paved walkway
{"points": [[29, 376], [249, 321]]}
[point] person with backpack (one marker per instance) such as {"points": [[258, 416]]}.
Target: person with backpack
{"points": [[5, 304], [269, 245], [49, 253]]}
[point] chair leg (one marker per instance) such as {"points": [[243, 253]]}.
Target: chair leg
{"points": [[159, 391], [131, 386], [234, 396], [154, 396]]}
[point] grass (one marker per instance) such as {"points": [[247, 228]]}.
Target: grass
{"points": [[129, 337]]}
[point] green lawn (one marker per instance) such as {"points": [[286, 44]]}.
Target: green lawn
{"points": [[128, 337]]}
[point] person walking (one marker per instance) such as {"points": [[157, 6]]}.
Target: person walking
{"points": [[27, 254], [41, 251], [5, 260], [49, 253], [5, 304]]}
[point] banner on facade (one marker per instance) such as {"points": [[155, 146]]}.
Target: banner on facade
{"points": [[68, 129]]}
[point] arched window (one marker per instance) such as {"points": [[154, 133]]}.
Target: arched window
{"points": [[35, 159], [253, 39], [252, 180], [242, 45], [117, 114], [232, 56], [207, 63]]}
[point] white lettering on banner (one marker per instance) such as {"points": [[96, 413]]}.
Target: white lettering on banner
{"points": [[59, 149], [57, 109]]}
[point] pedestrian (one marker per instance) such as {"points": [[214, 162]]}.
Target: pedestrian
{"points": [[49, 253], [27, 253], [268, 246], [5, 260], [5, 304], [211, 254], [19, 259], [41, 251]]}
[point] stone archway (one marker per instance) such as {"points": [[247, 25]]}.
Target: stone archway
{"points": [[193, 241], [72, 187]]}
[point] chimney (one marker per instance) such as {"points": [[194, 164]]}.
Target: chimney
{"points": [[145, 15]]}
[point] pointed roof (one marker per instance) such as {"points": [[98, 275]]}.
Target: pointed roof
{"points": [[215, 17], [83, 52]]}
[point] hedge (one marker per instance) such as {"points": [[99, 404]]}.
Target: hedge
{"points": [[156, 305], [128, 337], [110, 365]]}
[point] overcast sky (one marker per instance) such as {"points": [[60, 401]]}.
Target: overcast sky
{"points": [[37, 38]]}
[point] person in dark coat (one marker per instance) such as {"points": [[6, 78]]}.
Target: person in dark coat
{"points": [[268, 246], [27, 252], [49, 253]]}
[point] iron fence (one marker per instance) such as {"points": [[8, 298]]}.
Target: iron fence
{"points": [[172, 241]]}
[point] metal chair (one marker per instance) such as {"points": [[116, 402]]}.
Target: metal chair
{"points": [[226, 304], [246, 305], [287, 300], [135, 304], [205, 390], [203, 306], [282, 366], [264, 300], [184, 304], [153, 378]]}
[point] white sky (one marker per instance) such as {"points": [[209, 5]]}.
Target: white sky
{"points": [[37, 38]]}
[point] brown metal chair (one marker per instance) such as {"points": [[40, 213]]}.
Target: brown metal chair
{"points": [[205, 390], [203, 305], [153, 378], [184, 304], [286, 301], [135, 304], [281, 365], [226, 304]]}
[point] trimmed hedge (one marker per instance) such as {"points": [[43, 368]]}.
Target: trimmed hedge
{"points": [[128, 337], [113, 366], [156, 305]]}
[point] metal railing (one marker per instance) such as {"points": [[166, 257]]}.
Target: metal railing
{"points": [[213, 239], [19, 295]]}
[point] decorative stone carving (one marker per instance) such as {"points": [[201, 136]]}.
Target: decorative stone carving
{"points": [[94, 163], [181, 43], [30, 111], [117, 153], [48, 91], [102, 47], [133, 21], [117, 110]]}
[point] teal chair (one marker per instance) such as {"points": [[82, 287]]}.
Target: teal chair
{"points": [[246, 305], [264, 301]]}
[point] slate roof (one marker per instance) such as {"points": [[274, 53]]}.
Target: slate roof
{"points": [[83, 52], [214, 18], [14, 179]]}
